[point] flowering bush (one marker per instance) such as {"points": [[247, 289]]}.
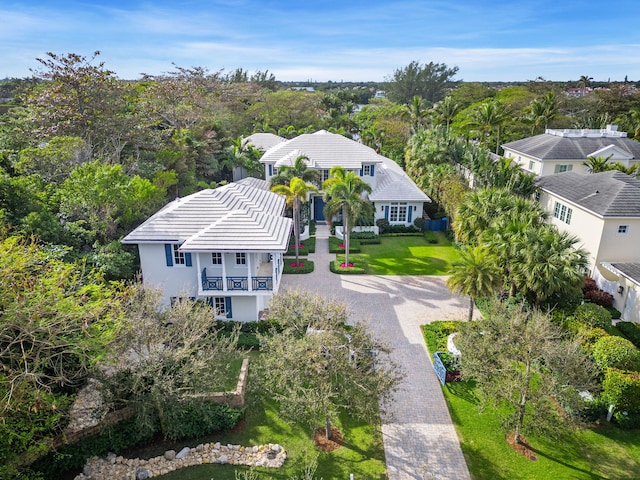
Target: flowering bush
{"points": [[599, 297]]}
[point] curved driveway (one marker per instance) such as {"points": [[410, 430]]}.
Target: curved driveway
{"points": [[420, 441]]}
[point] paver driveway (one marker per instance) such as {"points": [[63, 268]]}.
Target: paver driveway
{"points": [[420, 441]]}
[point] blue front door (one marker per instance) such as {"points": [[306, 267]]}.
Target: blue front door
{"points": [[318, 207]]}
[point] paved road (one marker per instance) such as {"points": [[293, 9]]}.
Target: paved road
{"points": [[420, 441]]}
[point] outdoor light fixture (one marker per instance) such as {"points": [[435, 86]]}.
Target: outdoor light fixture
{"points": [[620, 289]]}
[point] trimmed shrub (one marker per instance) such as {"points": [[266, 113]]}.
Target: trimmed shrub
{"points": [[627, 420], [591, 336], [196, 418], [615, 314], [631, 331], [593, 315], [335, 242], [383, 224], [589, 284], [616, 352], [357, 269], [622, 390], [289, 266], [419, 223], [599, 297]]}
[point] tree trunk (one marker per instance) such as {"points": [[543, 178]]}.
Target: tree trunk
{"points": [[296, 229], [345, 231], [522, 405], [327, 426], [470, 308]]}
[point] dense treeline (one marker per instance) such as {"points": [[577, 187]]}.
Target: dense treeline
{"points": [[86, 156]]}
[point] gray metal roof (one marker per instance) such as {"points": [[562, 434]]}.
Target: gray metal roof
{"points": [[607, 194], [553, 147], [324, 151], [233, 217], [393, 185]]}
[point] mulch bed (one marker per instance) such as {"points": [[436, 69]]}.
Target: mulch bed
{"points": [[328, 445], [523, 448]]}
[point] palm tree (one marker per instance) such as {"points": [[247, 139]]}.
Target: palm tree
{"points": [[584, 82], [298, 169], [417, 112], [475, 275], [489, 116], [343, 192], [478, 211], [296, 193], [241, 154], [447, 110], [541, 111], [598, 164], [550, 264]]}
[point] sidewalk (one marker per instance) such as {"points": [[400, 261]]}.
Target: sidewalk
{"points": [[420, 441]]}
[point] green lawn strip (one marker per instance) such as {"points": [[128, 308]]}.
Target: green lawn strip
{"points": [[308, 246], [335, 242], [409, 255], [362, 453], [307, 266], [358, 267], [231, 375], [589, 453]]}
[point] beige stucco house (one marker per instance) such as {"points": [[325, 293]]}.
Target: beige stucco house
{"points": [[557, 151], [603, 211]]}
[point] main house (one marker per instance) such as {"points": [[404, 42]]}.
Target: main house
{"points": [[557, 151], [224, 246], [394, 195], [603, 211]]}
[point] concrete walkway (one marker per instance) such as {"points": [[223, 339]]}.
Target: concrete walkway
{"points": [[420, 441]]}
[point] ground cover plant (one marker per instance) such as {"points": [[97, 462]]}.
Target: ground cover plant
{"points": [[337, 246], [601, 452], [304, 248], [408, 255]]}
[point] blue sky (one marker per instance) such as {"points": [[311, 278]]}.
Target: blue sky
{"points": [[331, 40]]}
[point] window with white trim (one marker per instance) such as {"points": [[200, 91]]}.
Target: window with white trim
{"points": [[325, 175], [178, 255], [623, 229], [531, 165], [241, 258], [562, 212], [366, 170], [562, 168], [216, 258], [220, 306], [398, 212]]}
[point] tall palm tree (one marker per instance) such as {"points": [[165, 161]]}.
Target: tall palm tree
{"points": [[447, 110], [298, 169], [241, 154], [478, 211], [489, 116], [296, 193], [417, 112], [541, 111], [475, 275], [584, 82], [598, 164], [343, 192]]}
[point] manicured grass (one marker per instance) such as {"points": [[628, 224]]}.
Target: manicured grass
{"points": [[362, 453], [591, 453], [408, 255], [602, 452], [308, 246], [335, 242]]}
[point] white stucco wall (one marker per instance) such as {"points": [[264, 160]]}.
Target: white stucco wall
{"points": [[379, 208], [615, 247], [174, 281]]}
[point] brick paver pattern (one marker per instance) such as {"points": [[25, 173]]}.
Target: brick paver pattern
{"points": [[420, 441]]}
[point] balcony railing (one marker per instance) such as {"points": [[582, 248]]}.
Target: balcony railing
{"points": [[236, 283]]}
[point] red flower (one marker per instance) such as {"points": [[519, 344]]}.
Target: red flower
{"points": [[344, 265], [296, 265], [341, 245]]}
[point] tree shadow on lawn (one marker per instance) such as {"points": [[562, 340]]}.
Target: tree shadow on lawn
{"points": [[409, 266], [463, 390]]}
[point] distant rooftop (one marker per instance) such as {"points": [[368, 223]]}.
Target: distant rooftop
{"points": [[610, 132]]}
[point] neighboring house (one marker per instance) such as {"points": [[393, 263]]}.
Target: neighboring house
{"points": [[394, 195], [557, 151], [224, 246], [603, 211], [263, 141]]}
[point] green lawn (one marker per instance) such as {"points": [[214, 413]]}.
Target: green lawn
{"points": [[362, 454], [407, 255], [601, 453], [604, 452]]}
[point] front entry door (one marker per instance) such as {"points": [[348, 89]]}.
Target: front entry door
{"points": [[318, 207]]}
